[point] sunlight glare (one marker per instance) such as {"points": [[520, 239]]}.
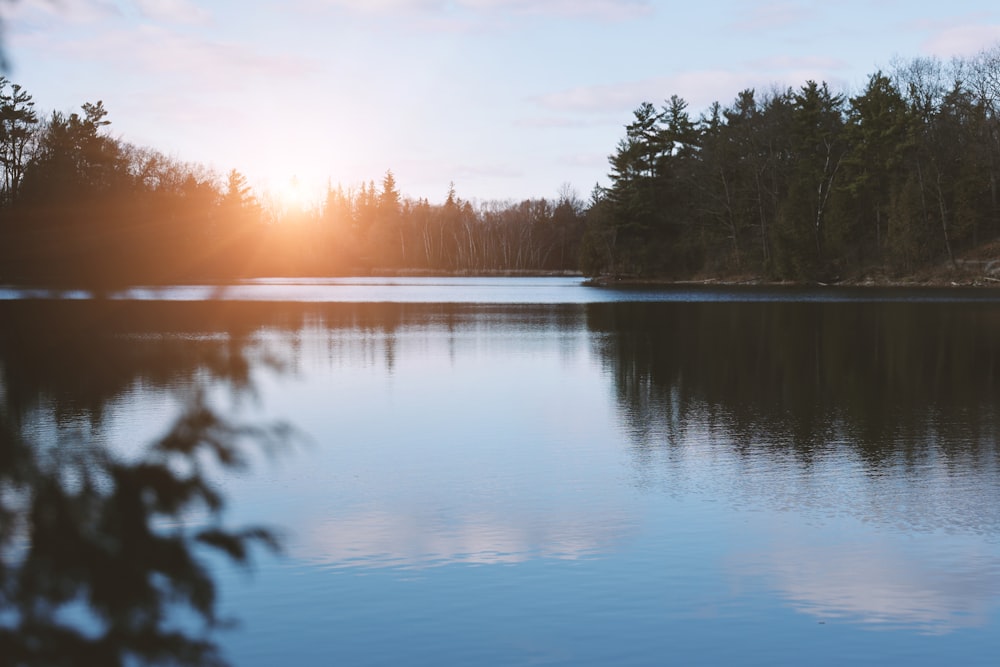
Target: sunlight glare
{"points": [[291, 195]]}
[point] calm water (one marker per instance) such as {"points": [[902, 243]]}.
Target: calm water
{"points": [[528, 471]]}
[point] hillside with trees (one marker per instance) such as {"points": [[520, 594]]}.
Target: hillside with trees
{"points": [[801, 184], [807, 184]]}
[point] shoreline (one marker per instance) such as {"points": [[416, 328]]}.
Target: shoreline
{"points": [[982, 282], [945, 278], [941, 277]]}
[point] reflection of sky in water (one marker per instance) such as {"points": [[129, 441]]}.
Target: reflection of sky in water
{"points": [[402, 539], [501, 289], [880, 582], [493, 442]]}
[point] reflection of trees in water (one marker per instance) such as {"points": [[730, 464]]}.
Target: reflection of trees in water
{"points": [[99, 557], [81, 526], [890, 379]]}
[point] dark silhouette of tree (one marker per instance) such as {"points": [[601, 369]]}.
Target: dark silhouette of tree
{"points": [[817, 151], [803, 185], [85, 528], [18, 123], [798, 184], [876, 133], [808, 370]]}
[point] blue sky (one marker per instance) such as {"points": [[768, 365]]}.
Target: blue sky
{"points": [[507, 98]]}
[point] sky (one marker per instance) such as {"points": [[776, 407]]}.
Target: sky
{"points": [[507, 99]]}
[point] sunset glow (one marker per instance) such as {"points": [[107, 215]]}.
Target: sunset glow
{"points": [[507, 100], [292, 195]]}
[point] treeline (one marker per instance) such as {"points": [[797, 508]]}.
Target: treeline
{"points": [[80, 207], [797, 184], [807, 184], [375, 228]]}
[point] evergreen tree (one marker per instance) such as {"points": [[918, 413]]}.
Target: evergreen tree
{"points": [[818, 149], [876, 133], [18, 126]]}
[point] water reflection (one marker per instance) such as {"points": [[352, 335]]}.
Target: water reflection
{"points": [[399, 538], [840, 421], [879, 582], [840, 459], [887, 379], [102, 553], [906, 393]]}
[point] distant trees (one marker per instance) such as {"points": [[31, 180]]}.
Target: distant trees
{"points": [[806, 184], [377, 229], [80, 207], [800, 184]]}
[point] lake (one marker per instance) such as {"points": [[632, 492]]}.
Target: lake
{"points": [[525, 471]]}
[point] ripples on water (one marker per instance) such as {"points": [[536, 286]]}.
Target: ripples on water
{"points": [[627, 478]]}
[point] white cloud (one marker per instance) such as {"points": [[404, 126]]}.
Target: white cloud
{"points": [[555, 122], [963, 40], [378, 6], [698, 88], [488, 171], [773, 16], [795, 63], [603, 98], [80, 11], [587, 160], [205, 64], [174, 11], [604, 9]]}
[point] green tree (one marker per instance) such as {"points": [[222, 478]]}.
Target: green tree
{"points": [[18, 130], [818, 148], [74, 158], [387, 236], [876, 134], [983, 79], [749, 151], [720, 185]]}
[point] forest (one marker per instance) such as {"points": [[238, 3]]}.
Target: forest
{"points": [[799, 184]]}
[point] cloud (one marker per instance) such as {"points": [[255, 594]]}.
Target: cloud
{"points": [[488, 171], [962, 40], [81, 11], [555, 122], [602, 98], [698, 88], [602, 9], [383, 6], [585, 160], [205, 64], [772, 16], [786, 63], [174, 11]]}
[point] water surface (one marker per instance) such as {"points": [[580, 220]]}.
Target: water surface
{"points": [[493, 474]]}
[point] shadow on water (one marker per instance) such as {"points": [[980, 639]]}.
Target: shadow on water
{"points": [[889, 380], [104, 556]]}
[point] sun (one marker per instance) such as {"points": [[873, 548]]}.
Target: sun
{"points": [[291, 195]]}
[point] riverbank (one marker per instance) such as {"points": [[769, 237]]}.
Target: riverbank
{"points": [[979, 267], [951, 278]]}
